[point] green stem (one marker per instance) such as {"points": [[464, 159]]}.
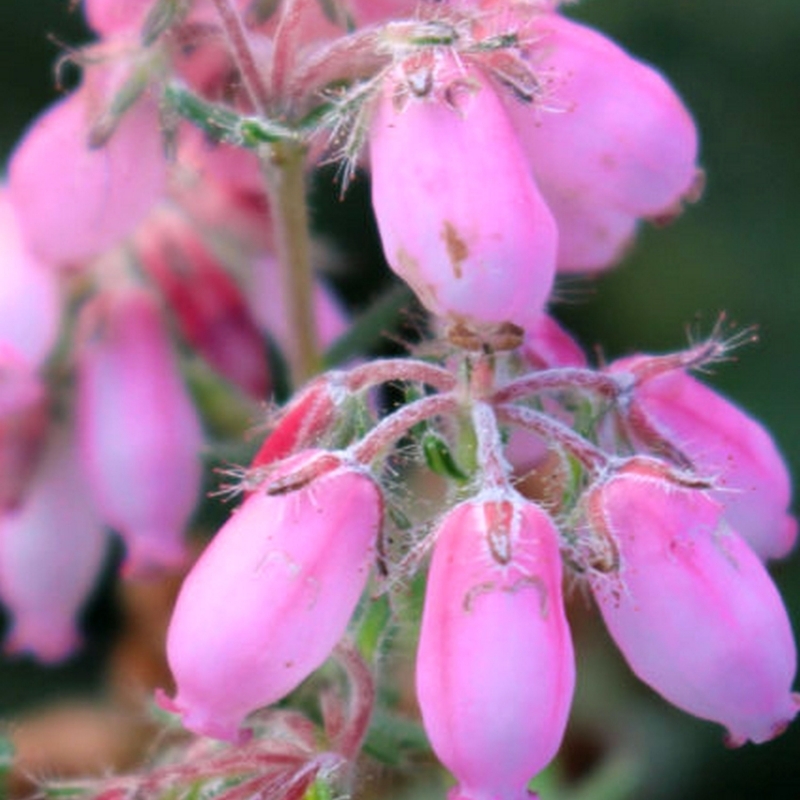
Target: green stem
{"points": [[284, 168]]}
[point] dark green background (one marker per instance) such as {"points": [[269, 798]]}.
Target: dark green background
{"points": [[736, 64]]}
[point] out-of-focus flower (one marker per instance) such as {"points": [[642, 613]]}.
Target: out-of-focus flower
{"points": [[139, 431], [51, 550], [98, 194]]}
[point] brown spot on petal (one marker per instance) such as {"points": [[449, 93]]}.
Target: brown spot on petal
{"points": [[457, 249]]}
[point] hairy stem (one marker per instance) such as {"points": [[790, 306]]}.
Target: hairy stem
{"points": [[284, 168]]}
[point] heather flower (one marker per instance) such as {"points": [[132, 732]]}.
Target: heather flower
{"points": [[495, 666], [690, 606], [52, 546], [100, 192], [725, 445], [609, 142], [139, 431], [271, 595], [459, 214]]}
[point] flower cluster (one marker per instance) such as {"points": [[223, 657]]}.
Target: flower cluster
{"points": [[505, 144]]}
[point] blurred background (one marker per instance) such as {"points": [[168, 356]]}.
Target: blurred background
{"points": [[737, 65]]}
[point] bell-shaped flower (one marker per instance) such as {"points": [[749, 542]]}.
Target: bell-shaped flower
{"points": [[609, 140], [271, 595], [690, 606], [98, 194], [459, 214], [495, 667], [725, 445], [139, 431], [52, 547]]}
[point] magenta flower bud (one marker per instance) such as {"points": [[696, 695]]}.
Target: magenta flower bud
{"points": [[460, 217], [615, 144], [692, 608], [98, 195], [51, 550], [271, 596], [725, 445], [207, 304], [495, 667], [139, 431]]}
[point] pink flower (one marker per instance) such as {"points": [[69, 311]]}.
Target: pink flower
{"points": [[271, 596], [691, 607], [51, 549], [495, 667], [139, 431], [725, 445], [97, 195], [459, 214], [612, 144]]}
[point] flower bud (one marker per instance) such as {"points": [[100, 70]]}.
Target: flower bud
{"points": [[459, 215], [495, 667], [51, 550], [271, 596], [692, 608], [727, 446], [139, 431]]}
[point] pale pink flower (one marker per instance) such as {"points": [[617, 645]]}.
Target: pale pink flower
{"points": [[139, 431], [609, 142], [692, 608], [495, 667], [51, 550], [97, 195], [725, 445], [460, 217], [271, 596]]}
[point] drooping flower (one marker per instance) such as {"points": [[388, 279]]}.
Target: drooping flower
{"points": [[610, 142], [725, 445], [460, 217], [98, 194], [51, 549], [691, 606], [271, 596], [495, 666], [139, 431]]}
